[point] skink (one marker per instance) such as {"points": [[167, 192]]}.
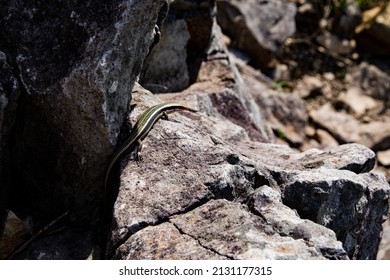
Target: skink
{"points": [[140, 131]]}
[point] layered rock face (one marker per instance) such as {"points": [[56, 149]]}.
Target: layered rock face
{"points": [[225, 182]]}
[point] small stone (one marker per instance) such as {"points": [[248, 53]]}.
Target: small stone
{"points": [[326, 139], [309, 86], [329, 76], [310, 131], [383, 157]]}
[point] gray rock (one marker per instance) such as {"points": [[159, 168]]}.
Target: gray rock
{"points": [[349, 20], [186, 35], [344, 205], [217, 84], [325, 139], [309, 86], [335, 45], [346, 129], [371, 80], [164, 241], [357, 102], [231, 231], [266, 202], [207, 189], [341, 125], [258, 28], [284, 112], [77, 63]]}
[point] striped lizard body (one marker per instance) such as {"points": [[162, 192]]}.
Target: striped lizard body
{"points": [[140, 131]]}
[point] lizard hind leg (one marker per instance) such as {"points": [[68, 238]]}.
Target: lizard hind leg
{"points": [[137, 151], [164, 116]]}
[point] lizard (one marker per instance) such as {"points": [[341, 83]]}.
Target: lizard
{"points": [[141, 129]]}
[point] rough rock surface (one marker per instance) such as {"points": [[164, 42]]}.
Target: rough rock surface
{"points": [[258, 28], [201, 171], [374, 135], [9, 93], [76, 64], [210, 185]]}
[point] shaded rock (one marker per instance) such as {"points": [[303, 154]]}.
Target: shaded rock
{"points": [[374, 31], [371, 80], [342, 205], [287, 122], [9, 94], [14, 233], [335, 45], [77, 63], [259, 29], [286, 114], [349, 19], [65, 245], [216, 84], [309, 86], [185, 40], [384, 157]]}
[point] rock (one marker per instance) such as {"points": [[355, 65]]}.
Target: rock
{"points": [[9, 94], [15, 233], [357, 102], [164, 242], [248, 236], [384, 157], [77, 63], [266, 202], [335, 45], [259, 29], [342, 126], [374, 31], [185, 41], [326, 140], [349, 19], [309, 87], [384, 249], [371, 80], [352, 157], [287, 122], [313, 194], [68, 244], [206, 189], [217, 84], [375, 135], [347, 129]]}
